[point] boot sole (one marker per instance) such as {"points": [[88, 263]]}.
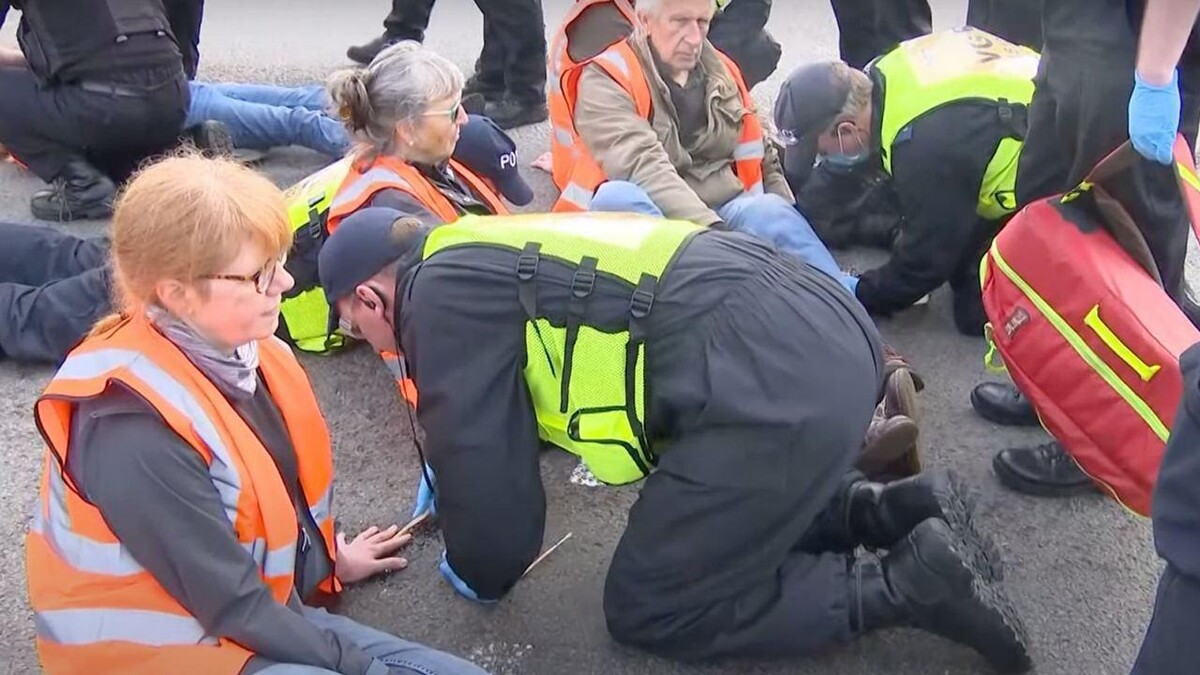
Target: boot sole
{"points": [[1010, 654], [888, 449], [102, 212], [958, 510], [902, 390]]}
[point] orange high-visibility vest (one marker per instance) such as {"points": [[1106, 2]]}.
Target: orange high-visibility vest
{"points": [[564, 76], [95, 608], [366, 179], [576, 172]]}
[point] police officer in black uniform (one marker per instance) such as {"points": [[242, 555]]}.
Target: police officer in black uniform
{"points": [[1078, 116], [510, 73], [868, 28], [100, 86]]}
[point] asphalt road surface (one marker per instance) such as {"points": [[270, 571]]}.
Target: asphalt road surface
{"points": [[1082, 571]]}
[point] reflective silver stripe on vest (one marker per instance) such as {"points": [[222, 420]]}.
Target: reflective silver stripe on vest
{"points": [[578, 195], [323, 509], [616, 59], [275, 563], [564, 137], [749, 150], [221, 470], [82, 553], [143, 627], [354, 191], [394, 366]]}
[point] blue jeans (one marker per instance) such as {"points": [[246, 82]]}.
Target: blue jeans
{"points": [[767, 216], [400, 656], [261, 116]]}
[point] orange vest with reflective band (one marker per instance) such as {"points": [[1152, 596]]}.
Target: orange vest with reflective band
{"points": [[564, 76], [576, 172], [95, 608], [365, 180]]}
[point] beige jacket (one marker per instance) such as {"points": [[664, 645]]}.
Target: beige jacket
{"points": [[685, 185]]}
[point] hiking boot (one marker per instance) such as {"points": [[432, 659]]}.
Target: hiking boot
{"points": [[489, 87], [364, 54], [1044, 470], [889, 442], [894, 360], [212, 138], [880, 515], [509, 113], [1004, 404], [931, 581], [80, 192]]}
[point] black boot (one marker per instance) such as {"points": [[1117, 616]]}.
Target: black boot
{"points": [[1044, 470], [1004, 404], [80, 192], [510, 113], [489, 87], [881, 515], [364, 54], [927, 582]]}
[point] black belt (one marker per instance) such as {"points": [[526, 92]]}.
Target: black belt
{"points": [[127, 91]]}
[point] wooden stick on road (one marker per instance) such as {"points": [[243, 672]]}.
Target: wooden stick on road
{"points": [[543, 556], [413, 523]]}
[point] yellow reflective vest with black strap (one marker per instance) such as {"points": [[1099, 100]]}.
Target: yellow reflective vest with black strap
{"points": [[587, 386], [304, 312], [961, 65]]}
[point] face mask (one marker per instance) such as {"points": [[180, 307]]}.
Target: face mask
{"points": [[844, 160]]}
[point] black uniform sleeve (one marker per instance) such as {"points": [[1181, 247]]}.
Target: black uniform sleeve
{"points": [[185, 541], [185, 17], [480, 427], [937, 173]]}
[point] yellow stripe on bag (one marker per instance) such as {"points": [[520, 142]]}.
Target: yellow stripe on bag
{"points": [[1085, 352], [1188, 175], [1093, 321]]}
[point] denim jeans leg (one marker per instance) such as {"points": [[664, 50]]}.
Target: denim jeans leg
{"points": [[261, 126], [624, 197], [310, 97], [770, 217], [400, 655]]}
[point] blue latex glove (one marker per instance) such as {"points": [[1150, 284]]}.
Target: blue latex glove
{"points": [[425, 500], [459, 585], [1154, 118]]}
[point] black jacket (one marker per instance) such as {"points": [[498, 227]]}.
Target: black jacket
{"points": [[938, 165]]}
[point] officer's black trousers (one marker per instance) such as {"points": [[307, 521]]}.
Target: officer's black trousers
{"points": [[1171, 647], [1079, 114], [53, 288], [868, 28], [1018, 21], [48, 126], [723, 554], [514, 42]]}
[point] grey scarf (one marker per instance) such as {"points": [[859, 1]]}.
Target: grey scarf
{"points": [[234, 374]]}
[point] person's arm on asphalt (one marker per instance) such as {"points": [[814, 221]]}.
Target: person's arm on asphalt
{"points": [[186, 541], [627, 147], [1155, 104], [939, 193], [481, 437]]}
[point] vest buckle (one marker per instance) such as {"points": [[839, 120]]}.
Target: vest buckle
{"points": [[641, 303], [583, 282], [527, 265]]}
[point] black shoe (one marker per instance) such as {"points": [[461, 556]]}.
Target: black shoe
{"points": [[366, 53], [80, 192], [928, 582], [510, 113], [1044, 470], [212, 138], [1004, 404], [881, 515], [489, 88]]}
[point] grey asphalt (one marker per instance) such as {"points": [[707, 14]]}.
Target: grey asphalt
{"points": [[1081, 571]]}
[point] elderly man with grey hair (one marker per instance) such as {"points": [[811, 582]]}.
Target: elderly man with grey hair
{"points": [[691, 146]]}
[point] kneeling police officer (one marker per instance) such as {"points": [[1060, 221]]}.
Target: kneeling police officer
{"points": [[736, 380]]}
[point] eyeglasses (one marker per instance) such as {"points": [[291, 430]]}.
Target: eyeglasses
{"points": [[261, 279], [452, 112]]}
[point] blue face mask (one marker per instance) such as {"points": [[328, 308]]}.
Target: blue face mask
{"points": [[844, 160]]}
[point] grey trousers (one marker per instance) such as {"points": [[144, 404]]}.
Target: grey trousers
{"points": [[392, 654]]}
